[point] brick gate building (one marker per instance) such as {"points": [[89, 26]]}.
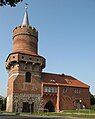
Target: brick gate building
{"points": [[30, 89]]}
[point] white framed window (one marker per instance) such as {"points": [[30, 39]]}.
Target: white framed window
{"points": [[50, 89], [77, 91]]}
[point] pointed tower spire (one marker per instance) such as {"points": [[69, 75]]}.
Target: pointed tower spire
{"points": [[25, 19]]}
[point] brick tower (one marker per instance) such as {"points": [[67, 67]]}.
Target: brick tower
{"points": [[24, 67]]}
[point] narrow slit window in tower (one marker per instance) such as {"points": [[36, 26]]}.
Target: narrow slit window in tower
{"points": [[28, 77]]}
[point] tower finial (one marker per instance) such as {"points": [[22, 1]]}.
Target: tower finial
{"points": [[25, 19]]}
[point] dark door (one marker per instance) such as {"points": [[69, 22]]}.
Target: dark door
{"points": [[49, 105], [32, 107], [28, 107]]}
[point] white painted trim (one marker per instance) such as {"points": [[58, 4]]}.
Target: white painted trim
{"points": [[16, 74]]}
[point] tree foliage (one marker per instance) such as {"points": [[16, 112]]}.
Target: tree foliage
{"points": [[92, 99], [3, 104], [11, 3]]}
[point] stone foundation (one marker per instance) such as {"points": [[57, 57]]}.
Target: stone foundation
{"points": [[18, 100]]}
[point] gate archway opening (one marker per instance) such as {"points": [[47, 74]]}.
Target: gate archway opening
{"points": [[49, 105]]}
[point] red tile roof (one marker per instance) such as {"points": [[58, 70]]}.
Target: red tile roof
{"points": [[62, 79]]}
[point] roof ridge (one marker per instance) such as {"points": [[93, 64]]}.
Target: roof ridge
{"points": [[52, 73], [66, 80]]}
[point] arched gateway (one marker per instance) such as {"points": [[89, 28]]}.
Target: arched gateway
{"points": [[49, 105]]}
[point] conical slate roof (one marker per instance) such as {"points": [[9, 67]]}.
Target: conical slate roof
{"points": [[25, 19]]}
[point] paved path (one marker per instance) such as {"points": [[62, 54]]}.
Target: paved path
{"points": [[31, 117], [37, 117]]}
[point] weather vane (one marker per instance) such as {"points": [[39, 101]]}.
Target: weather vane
{"points": [[26, 5]]}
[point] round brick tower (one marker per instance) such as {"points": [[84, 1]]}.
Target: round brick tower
{"points": [[24, 66], [25, 40]]}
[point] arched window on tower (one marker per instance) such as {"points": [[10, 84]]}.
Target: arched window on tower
{"points": [[28, 77]]}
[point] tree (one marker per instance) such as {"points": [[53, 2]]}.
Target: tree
{"points": [[1, 103], [4, 104], [11, 3], [92, 99]]}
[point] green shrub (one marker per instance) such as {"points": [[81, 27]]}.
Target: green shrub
{"points": [[93, 107], [17, 113]]}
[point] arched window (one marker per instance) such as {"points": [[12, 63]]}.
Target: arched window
{"points": [[28, 77]]}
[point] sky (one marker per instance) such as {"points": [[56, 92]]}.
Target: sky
{"points": [[66, 37]]}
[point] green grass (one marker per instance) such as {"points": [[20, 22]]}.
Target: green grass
{"points": [[71, 113], [83, 113]]}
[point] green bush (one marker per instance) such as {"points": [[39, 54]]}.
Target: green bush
{"points": [[17, 113], [93, 107]]}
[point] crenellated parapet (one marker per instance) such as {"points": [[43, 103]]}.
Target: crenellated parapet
{"points": [[26, 30]]}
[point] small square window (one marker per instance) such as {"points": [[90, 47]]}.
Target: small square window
{"points": [[22, 57], [30, 58]]}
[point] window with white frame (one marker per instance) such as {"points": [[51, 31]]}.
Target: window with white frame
{"points": [[50, 89]]}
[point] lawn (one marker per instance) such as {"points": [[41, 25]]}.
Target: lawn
{"points": [[83, 113]]}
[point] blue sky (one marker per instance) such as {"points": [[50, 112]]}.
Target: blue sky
{"points": [[66, 36]]}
